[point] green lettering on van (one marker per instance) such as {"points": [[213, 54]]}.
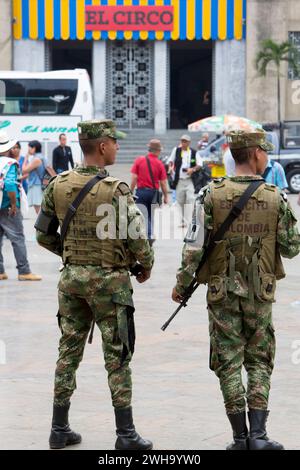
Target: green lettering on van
{"points": [[4, 124]]}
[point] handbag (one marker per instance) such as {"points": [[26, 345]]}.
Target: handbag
{"points": [[157, 196], [23, 202]]}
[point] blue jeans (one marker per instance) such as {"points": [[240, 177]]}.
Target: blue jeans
{"points": [[12, 227], [145, 196]]}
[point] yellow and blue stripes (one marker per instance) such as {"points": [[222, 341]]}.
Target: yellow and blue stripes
{"points": [[193, 19]]}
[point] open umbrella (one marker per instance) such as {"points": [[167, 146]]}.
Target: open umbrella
{"points": [[225, 122]]}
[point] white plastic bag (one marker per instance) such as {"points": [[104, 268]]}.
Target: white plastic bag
{"points": [[23, 202]]}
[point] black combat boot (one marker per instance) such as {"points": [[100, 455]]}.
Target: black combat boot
{"points": [[240, 431], [258, 439], [61, 434], [128, 438]]}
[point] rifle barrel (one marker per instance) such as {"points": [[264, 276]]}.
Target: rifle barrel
{"points": [[194, 285]]}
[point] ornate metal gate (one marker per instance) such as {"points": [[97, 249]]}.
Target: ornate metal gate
{"points": [[130, 83]]}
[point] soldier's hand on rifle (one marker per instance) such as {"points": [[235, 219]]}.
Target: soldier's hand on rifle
{"points": [[143, 275], [176, 297]]}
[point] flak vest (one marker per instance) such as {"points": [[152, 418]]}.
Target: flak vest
{"points": [[246, 262], [82, 245]]}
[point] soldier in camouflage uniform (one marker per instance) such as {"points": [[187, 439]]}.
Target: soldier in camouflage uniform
{"points": [[95, 286], [241, 274]]}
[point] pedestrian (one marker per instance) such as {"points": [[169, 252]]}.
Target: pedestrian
{"points": [[35, 166], [95, 285], [241, 272], [184, 163], [11, 221], [274, 174], [16, 153], [203, 142], [62, 156], [229, 163], [148, 174]]}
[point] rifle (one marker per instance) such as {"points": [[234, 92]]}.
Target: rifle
{"points": [[208, 248], [187, 295]]}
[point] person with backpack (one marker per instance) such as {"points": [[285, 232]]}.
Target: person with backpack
{"points": [[35, 166], [11, 221]]}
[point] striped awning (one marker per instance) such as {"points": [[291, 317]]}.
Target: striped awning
{"points": [[193, 19]]}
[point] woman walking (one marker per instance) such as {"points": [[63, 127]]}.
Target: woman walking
{"points": [[34, 165]]}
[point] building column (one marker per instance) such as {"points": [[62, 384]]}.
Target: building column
{"points": [[99, 78], [160, 86], [5, 34], [266, 19], [29, 55], [229, 90]]}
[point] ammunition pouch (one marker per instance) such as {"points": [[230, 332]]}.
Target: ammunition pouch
{"points": [[125, 319], [217, 290], [47, 224]]}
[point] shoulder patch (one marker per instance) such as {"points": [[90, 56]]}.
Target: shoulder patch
{"points": [[124, 188]]}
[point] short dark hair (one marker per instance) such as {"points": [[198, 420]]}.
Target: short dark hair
{"points": [[17, 144], [36, 144], [89, 146], [242, 156], [61, 135]]}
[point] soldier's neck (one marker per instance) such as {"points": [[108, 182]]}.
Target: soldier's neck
{"points": [[93, 161], [244, 170]]}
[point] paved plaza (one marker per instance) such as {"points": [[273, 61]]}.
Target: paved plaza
{"points": [[176, 401]]}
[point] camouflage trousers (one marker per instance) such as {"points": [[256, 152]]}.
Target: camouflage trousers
{"points": [[76, 314], [242, 334]]}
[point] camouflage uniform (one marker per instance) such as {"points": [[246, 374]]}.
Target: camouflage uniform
{"points": [[92, 292], [240, 319]]}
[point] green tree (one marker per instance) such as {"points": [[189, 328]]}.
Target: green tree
{"points": [[277, 53]]}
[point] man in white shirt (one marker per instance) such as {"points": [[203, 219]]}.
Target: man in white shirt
{"points": [[183, 162], [229, 163]]}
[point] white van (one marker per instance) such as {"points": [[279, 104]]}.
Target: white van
{"points": [[41, 106]]}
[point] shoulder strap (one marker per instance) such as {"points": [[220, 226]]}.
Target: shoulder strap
{"points": [[76, 203], [232, 216], [150, 171], [268, 171]]}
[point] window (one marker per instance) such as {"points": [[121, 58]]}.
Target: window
{"points": [[39, 96], [291, 135], [294, 38]]}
